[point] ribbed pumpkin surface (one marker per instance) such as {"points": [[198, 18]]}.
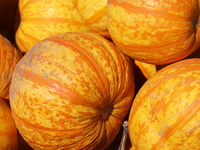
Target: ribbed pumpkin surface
{"points": [[94, 13], [9, 57], [166, 111], [71, 91], [154, 31], [41, 19]]}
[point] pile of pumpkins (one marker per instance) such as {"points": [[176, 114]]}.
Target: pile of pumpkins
{"points": [[73, 71]]}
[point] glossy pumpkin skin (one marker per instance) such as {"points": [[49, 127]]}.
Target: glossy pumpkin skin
{"points": [[52, 18], [9, 57], [165, 113], [71, 91], [8, 130], [94, 13], [157, 31]]}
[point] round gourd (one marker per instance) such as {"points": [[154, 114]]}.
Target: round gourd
{"points": [[165, 113], [154, 31], [71, 91], [8, 130], [94, 13], [41, 19], [9, 57]]}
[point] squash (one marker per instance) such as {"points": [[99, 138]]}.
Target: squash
{"points": [[154, 31], [8, 130], [71, 91], [165, 113], [147, 69], [94, 13], [9, 57], [41, 19]]}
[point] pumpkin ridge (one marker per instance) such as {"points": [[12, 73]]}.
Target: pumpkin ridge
{"points": [[100, 73], [62, 90], [20, 40], [146, 11], [186, 116], [56, 19], [137, 104]]}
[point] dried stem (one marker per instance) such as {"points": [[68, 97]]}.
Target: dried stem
{"points": [[123, 141]]}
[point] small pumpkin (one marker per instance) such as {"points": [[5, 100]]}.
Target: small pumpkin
{"points": [[154, 31], [71, 91], [165, 113], [41, 19], [9, 57], [94, 13], [8, 130]]}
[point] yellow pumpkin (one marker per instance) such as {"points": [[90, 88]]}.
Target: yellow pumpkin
{"points": [[41, 19], [71, 91], [165, 113], [154, 31]]}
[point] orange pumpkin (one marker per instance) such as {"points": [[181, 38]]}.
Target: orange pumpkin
{"points": [[9, 57], [8, 130], [41, 19], [94, 13], [154, 31], [71, 91], [165, 113]]}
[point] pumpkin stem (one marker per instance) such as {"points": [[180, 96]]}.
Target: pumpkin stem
{"points": [[122, 145], [105, 112]]}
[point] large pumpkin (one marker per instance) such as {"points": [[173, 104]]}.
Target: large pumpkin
{"points": [[71, 91], [94, 13], [9, 57], [41, 19], [165, 113], [154, 31], [8, 130]]}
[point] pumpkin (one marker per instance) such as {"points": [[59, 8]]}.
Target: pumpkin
{"points": [[71, 91], [165, 113], [147, 69], [41, 19], [154, 31], [94, 13], [8, 130], [9, 57]]}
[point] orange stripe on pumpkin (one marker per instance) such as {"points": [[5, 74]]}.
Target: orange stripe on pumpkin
{"points": [[182, 120]]}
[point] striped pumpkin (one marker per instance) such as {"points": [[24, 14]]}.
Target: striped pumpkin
{"points": [[41, 19], [165, 113], [71, 91], [154, 31], [9, 57], [94, 13]]}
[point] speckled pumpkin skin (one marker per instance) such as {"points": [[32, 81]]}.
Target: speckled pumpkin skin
{"points": [[9, 57], [41, 19], [71, 91], [165, 113], [154, 31], [94, 13]]}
